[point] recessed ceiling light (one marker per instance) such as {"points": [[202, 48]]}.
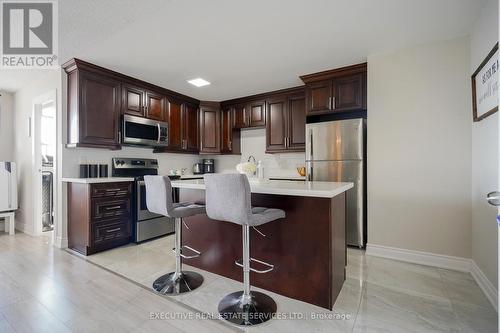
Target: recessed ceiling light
{"points": [[199, 82]]}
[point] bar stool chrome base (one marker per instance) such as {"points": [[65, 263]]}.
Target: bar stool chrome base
{"points": [[257, 310], [172, 284]]}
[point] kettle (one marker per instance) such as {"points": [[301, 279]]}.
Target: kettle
{"points": [[198, 168]]}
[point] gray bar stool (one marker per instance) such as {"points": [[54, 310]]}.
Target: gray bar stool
{"points": [[228, 198], [159, 200]]}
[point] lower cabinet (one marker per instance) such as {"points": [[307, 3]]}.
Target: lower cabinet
{"points": [[99, 216]]}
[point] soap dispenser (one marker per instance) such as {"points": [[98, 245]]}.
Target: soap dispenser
{"points": [[260, 170]]}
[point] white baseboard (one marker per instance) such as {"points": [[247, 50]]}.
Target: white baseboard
{"points": [[419, 257], [486, 286], [440, 261], [61, 242]]}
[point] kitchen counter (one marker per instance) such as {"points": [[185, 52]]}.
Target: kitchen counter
{"points": [[281, 187], [98, 180]]}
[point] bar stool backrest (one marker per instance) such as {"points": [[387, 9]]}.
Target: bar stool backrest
{"points": [[159, 195], [228, 198]]}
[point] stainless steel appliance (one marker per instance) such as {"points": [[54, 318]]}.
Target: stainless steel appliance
{"points": [[198, 168], [139, 131], [146, 225], [208, 165], [335, 151]]}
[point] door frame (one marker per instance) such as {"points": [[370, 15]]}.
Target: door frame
{"points": [[36, 161]]}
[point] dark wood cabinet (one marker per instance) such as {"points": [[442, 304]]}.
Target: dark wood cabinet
{"points": [[190, 128], [99, 216], [256, 114], [285, 123], [183, 126], [210, 126], [276, 129], [133, 101], [240, 118], [155, 106], [140, 102], [339, 90], [94, 103], [320, 97], [174, 118], [296, 122], [230, 136]]}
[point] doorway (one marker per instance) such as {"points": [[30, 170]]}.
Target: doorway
{"points": [[44, 137]]}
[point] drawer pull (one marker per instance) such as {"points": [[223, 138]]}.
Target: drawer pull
{"points": [[113, 207], [113, 230]]}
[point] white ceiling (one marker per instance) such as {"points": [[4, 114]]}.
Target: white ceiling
{"points": [[246, 47]]}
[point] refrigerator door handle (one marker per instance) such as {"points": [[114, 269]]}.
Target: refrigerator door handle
{"points": [[309, 171], [311, 153]]}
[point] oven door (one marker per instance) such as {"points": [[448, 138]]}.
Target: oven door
{"points": [[142, 210], [144, 132]]}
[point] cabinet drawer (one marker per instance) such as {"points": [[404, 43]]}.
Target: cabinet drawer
{"points": [[111, 190], [106, 208], [106, 231]]}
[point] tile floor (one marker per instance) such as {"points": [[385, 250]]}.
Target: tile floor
{"points": [[379, 295], [43, 289]]}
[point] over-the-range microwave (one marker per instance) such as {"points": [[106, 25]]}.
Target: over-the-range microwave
{"points": [[139, 131]]}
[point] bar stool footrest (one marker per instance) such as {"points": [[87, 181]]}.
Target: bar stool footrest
{"points": [[269, 268], [195, 255]]}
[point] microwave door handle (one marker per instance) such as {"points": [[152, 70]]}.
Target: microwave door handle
{"points": [[159, 132]]}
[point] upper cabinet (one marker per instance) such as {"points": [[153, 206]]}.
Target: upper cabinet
{"points": [[210, 126], [248, 113], [256, 113], [138, 101], [230, 136], [182, 118], [286, 121], [338, 90], [97, 97], [94, 104]]}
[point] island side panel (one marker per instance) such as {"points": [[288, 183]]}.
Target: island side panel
{"points": [[300, 246], [339, 245]]}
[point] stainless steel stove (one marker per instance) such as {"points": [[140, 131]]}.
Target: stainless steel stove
{"points": [[146, 225]]}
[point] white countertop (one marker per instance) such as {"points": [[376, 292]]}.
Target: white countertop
{"points": [[98, 180], [279, 187]]}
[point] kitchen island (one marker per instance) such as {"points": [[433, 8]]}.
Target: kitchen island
{"points": [[307, 247]]}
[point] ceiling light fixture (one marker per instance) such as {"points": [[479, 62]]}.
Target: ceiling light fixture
{"points": [[199, 82]]}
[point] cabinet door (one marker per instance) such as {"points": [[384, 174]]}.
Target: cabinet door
{"points": [[348, 93], [240, 118], [276, 132], [226, 128], [296, 122], [99, 114], [209, 129], [257, 114], [190, 128], [155, 106], [133, 101], [319, 97], [174, 125]]}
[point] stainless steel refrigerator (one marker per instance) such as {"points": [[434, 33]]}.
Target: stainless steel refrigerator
{"points": [[335, 151]]}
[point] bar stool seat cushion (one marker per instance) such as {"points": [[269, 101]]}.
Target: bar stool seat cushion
{"points": [[185, 209], [262, 215]]}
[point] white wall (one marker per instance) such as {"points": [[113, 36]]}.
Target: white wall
{"points": [[419, 148], [6, 126], [42, 82], [484, 154]]}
